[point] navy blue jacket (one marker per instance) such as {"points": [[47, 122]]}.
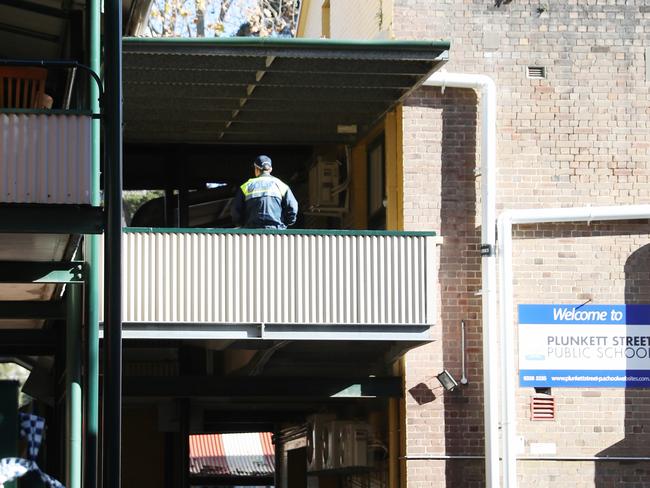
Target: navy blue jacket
{"points": [[264, 202]]}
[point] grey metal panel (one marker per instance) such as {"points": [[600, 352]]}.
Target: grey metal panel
{"points": [[268, 281], [44, 158]]}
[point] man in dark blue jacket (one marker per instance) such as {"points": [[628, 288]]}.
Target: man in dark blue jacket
{"points": [[264, 202]]}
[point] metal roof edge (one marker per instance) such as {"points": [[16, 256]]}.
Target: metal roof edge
{"points": [[327, 232], [276, 42]]}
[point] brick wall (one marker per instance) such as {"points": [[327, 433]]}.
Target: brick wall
{"points": [[440, 193], [576, 138]]}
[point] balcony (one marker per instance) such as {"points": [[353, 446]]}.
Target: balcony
{"points": [[293, 285], [44, 157]]}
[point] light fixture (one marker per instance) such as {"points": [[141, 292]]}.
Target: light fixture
{"points": [[346, 128], [447, 381]]}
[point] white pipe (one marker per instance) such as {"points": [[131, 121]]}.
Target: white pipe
{"points": [[505, 222], [488, 106]]}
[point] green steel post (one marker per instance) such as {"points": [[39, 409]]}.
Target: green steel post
{"points": [[112, 344], [73, 385], [92, 328]]}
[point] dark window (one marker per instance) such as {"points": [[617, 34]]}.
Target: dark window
{"points": [[376, 184]]}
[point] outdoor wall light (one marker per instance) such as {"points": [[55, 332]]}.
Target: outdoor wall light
{"points": [[447, 381]]}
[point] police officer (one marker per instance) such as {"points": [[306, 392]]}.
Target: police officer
{"points": [[264, 202]]}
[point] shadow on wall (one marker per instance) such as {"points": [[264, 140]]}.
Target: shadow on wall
{"points": [[637, 401], [459, 278], [422, 394], [460, 264]]}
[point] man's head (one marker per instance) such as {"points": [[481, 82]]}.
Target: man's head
{"points": [[262, 164]]}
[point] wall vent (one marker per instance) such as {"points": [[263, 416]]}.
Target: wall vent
{"points": [[536, 72], [542, 407]]}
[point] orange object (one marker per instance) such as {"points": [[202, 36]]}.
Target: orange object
{"points": [[22, 87]]}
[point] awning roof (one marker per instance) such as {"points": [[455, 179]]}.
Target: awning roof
{"points": [[267, 90], [241, 454]]}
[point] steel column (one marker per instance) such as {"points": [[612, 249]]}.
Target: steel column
{"points": [[92, 325], [112, 345], [73, 385]]}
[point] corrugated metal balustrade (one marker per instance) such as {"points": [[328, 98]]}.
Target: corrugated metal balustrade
{"points": [[44, 158]]}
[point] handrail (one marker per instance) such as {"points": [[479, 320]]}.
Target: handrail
{"points": [[60, 64], [319, 232]]}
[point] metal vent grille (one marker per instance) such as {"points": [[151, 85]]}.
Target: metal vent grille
{"points": [[542, 407], [536, 72]]}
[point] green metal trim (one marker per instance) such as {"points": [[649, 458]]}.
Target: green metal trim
{"points": [[91, 413], [309, 232], [34, 111], [283, 43], [51, 219], [54, 309], [41, 272], [73, 385]]}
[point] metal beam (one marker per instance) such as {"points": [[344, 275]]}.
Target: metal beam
{"points": [[54, 309], [112, 347], [276, 332], [51, 219], [260, 387], [36, 8], [41, 272], [29, 33], [16, 342]]}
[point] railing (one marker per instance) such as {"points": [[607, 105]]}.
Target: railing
{"points": [[45, 154], [288, 281]]}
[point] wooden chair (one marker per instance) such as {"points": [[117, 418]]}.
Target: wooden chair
{"points": [[22, 87]]}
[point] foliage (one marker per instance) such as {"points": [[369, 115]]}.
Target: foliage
{"points": [[216, 18], [272, 18], [134, 199], [13, 371]]}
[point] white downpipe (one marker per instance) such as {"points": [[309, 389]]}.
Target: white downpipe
{"points": [[488, 106], [506, 220]]}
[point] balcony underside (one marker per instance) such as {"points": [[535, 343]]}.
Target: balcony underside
{"points": [[260, 331]]}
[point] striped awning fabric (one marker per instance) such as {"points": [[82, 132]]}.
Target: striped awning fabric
{"points": [[245, 454]]}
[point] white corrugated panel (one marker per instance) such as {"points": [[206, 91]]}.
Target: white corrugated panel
{"points": [[44, 158], [195, 277]]}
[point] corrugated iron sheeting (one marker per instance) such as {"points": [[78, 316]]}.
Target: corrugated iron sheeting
{"points": [[253, 90], [277, 278], [44, 159], [242, 454]]}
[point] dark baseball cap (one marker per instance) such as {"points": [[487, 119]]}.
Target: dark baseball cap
{"points": [[263, 162]]}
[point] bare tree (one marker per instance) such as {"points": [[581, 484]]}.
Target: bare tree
{"points": [[189, 18], [273, 18], [208, 18]]}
